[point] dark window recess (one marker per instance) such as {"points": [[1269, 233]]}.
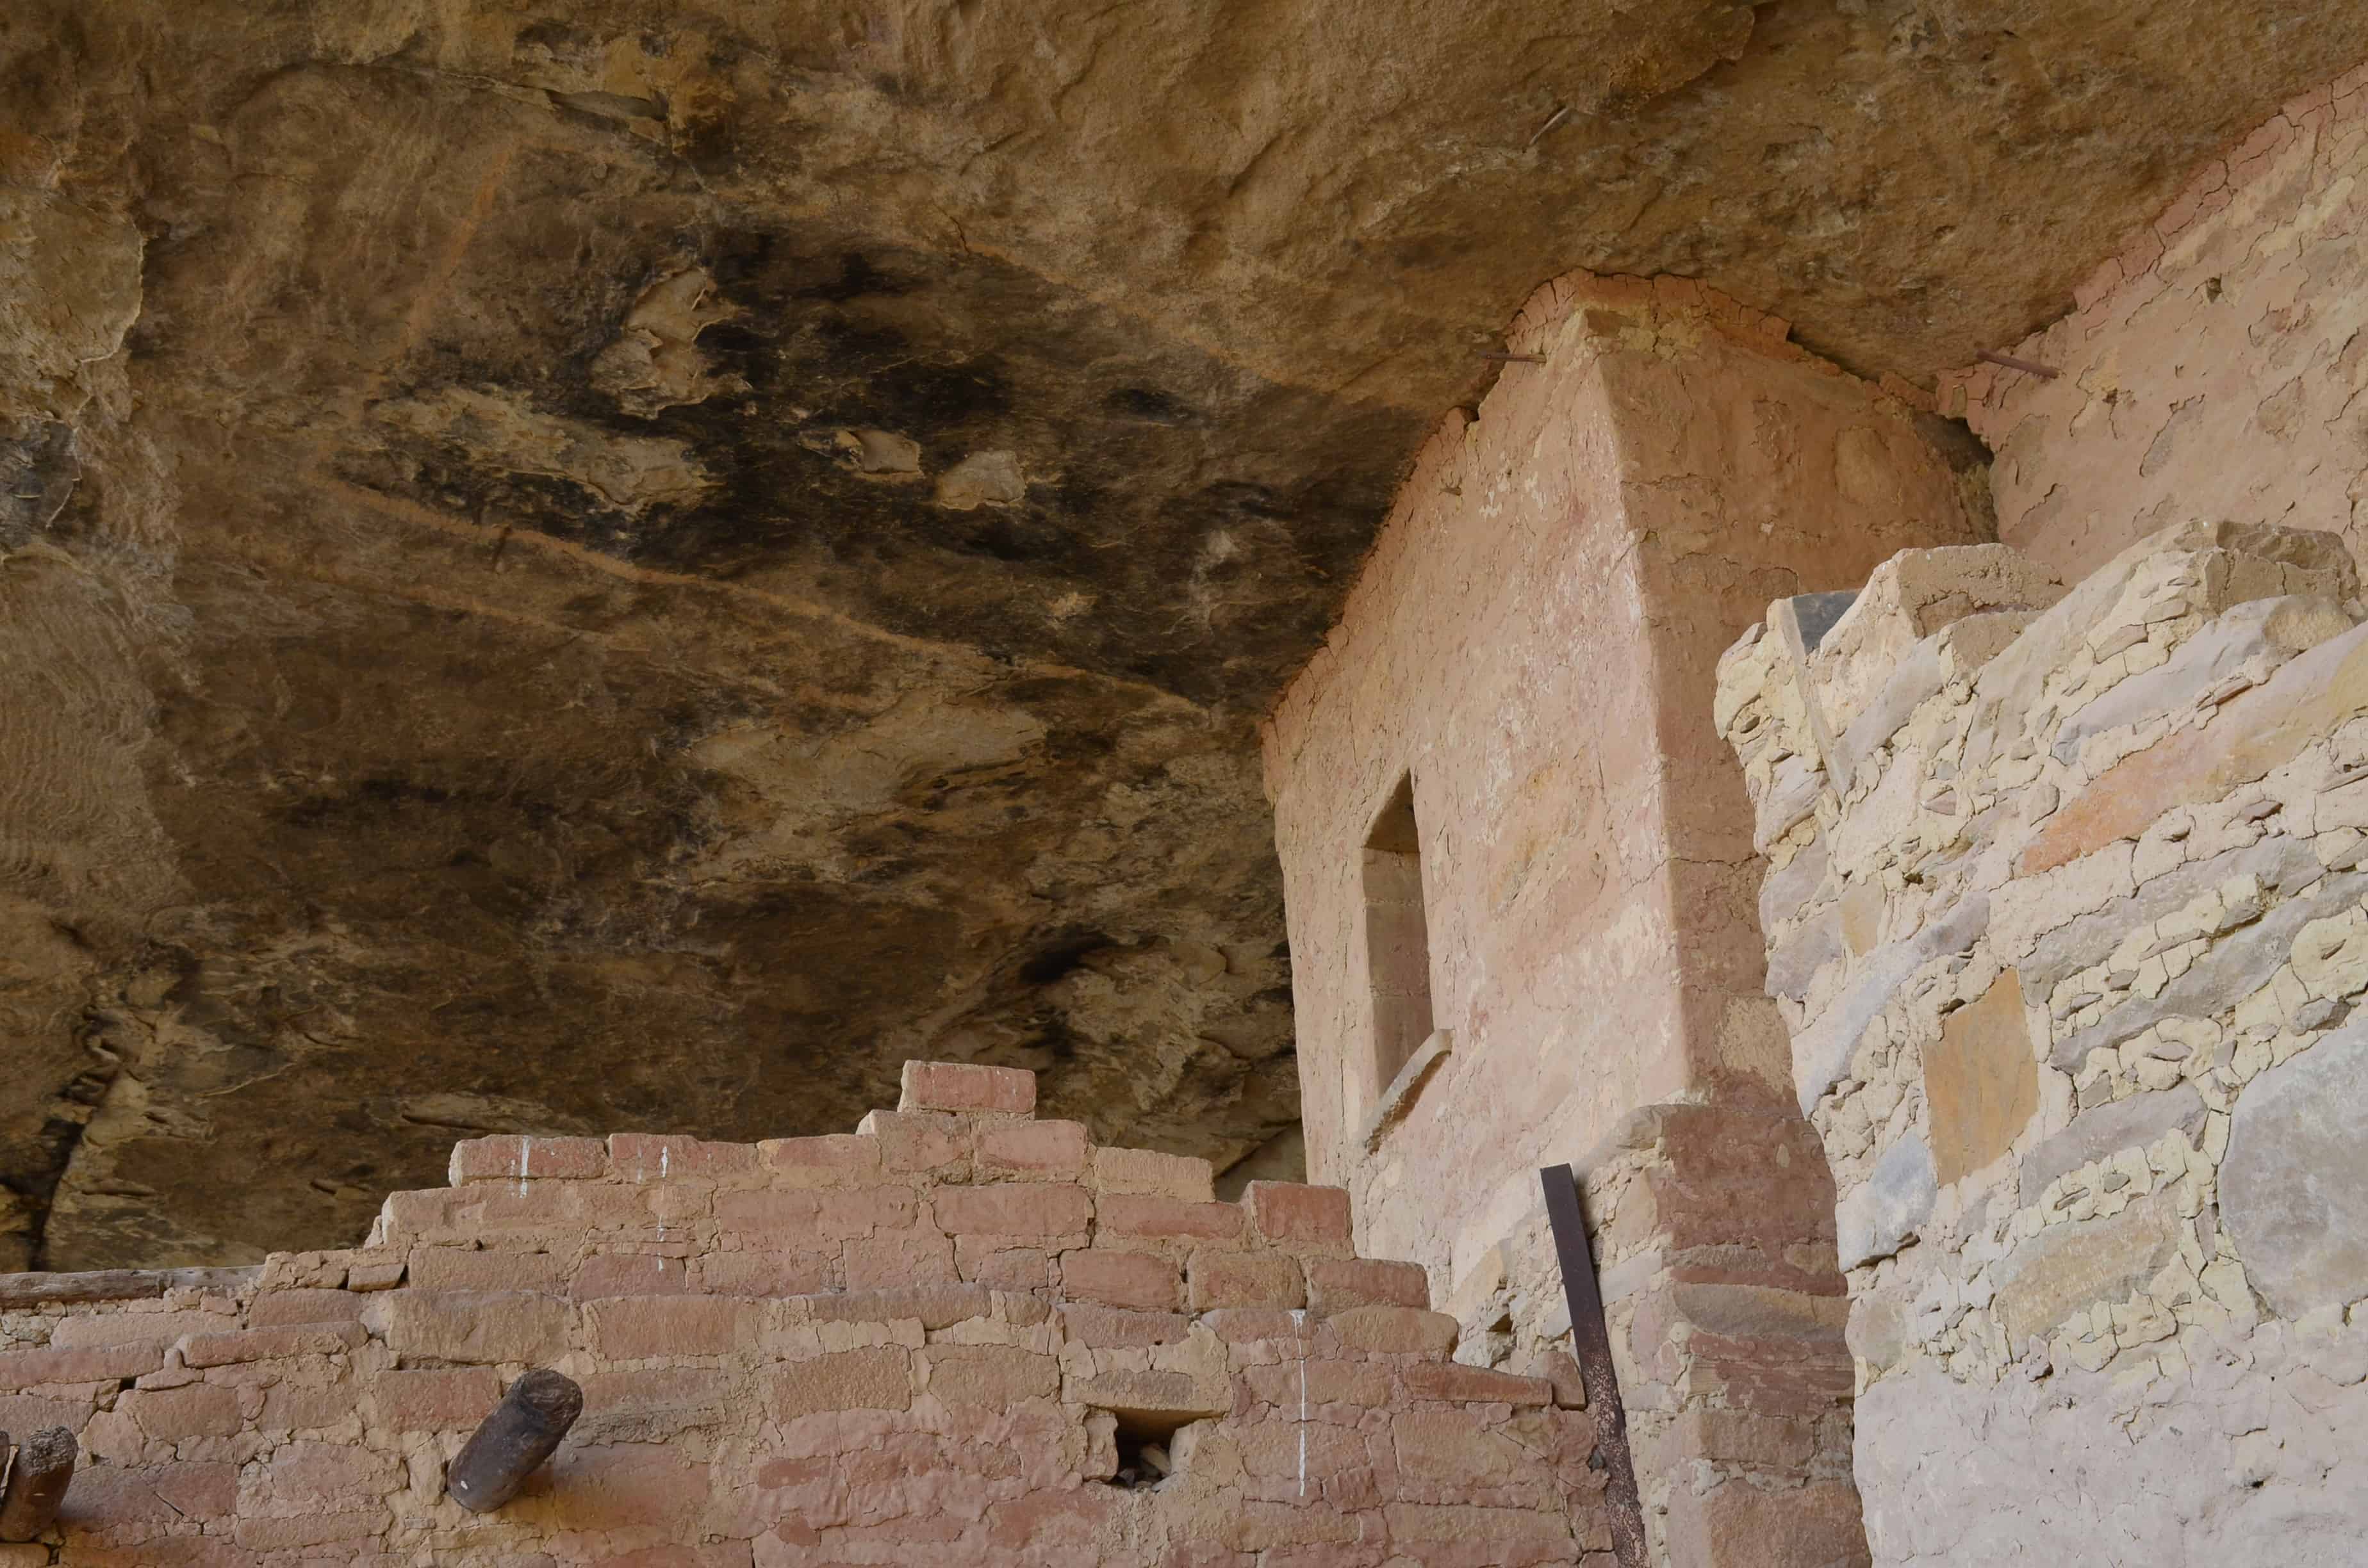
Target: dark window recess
{"points": [[1398, 936], [1146, 1447]]}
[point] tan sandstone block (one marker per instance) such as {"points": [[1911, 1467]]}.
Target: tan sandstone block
{"points": [[1981, 1081], [1222, 1278], [997, 1375], [469, 1325], [1183, 1177], [877, 1378], [967, 1087], [1121, 1279]]}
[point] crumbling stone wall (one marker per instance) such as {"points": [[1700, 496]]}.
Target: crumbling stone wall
{"points": [[1535, 641], [2067, 908], [2233, 322], [926, 1342]]}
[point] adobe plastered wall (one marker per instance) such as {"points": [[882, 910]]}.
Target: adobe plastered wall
{"points": [[2071, 925], [1534, 638], [2233, 322], [900, 1347]]}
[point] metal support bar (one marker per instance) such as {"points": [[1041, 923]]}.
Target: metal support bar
{"points": [[508, 1444], [1590, 1344], [37, 1484]]}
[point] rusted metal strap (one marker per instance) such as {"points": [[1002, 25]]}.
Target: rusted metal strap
{"points": [[1590, 1345]]}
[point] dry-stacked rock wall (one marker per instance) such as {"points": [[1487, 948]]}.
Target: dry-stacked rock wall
{"points": [[939, 1339], [2067, 908]]}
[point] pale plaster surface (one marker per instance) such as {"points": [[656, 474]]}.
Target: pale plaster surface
{"points": [[2232, 323]]}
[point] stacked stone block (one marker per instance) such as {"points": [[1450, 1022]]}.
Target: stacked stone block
{"points": [[928, 1341], [2068, 910]]}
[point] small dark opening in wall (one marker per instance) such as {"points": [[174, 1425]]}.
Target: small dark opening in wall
{"points": [[1146, 1447], [1398, 936]]}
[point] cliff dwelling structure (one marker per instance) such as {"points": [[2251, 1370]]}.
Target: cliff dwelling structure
{"points": [[1255, 784]]}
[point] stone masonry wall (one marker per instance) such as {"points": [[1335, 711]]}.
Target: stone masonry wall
{"points": [[2233, 322], [1534, 639], [2069, 911], [925, 1343]]}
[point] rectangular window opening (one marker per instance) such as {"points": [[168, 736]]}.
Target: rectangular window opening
{"points": [[1398, 936]]}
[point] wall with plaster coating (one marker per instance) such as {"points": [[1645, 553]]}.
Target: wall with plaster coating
{"points": [[1534, 639], [2232, 323]]}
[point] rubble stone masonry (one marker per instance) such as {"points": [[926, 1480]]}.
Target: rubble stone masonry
{"points": [[2067, 911], [934, 1341]]}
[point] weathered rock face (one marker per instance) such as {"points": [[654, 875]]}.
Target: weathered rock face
{"points": [[586, 565]]}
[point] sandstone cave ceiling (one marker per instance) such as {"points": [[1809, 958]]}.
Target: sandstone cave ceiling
{"points": [[585, 566]]}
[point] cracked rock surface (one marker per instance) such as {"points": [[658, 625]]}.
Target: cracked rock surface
{"points": [[599, 566]]}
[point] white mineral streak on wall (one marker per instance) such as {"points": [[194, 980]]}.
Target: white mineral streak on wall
{"points": [[2067, 911]]}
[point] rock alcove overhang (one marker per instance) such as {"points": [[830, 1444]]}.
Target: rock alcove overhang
{"points": [[635, 569]]}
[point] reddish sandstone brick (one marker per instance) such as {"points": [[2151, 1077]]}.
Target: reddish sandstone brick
{"points": [[131, 1328], [1121, 1279], [966, 1087], [1168, 1219], [314, 1527], [288, 1407], [474, 1325], [462, 1268], [436, 1399], [1114, 1328], [1069, 1524], [1455, 1380], [1142, 1172], [95, 1364], [1395, 1331], [1245, 1326], [1173, 1395], [840, 1159], [271, 1343], [1029, 1209], [110, 1497], [1451, 1446], [1327, 1381], [893, 1259], [1292, 1214], [831, 1214], [630, 1274], [1337, 1282], [986, 1260], [1222, 1278], [649, 1156], [997, 1375], [523, 1157], [199, 1410], [275, 1309], [634, 1328], [1047, 1148], [880, 1378], [767, 1273], [552, 1209], [920, 1143], [934, 1307]]}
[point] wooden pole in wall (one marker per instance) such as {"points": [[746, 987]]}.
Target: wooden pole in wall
{"points": [[37, 1484], [508, 1444], [1590, 1345]]}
